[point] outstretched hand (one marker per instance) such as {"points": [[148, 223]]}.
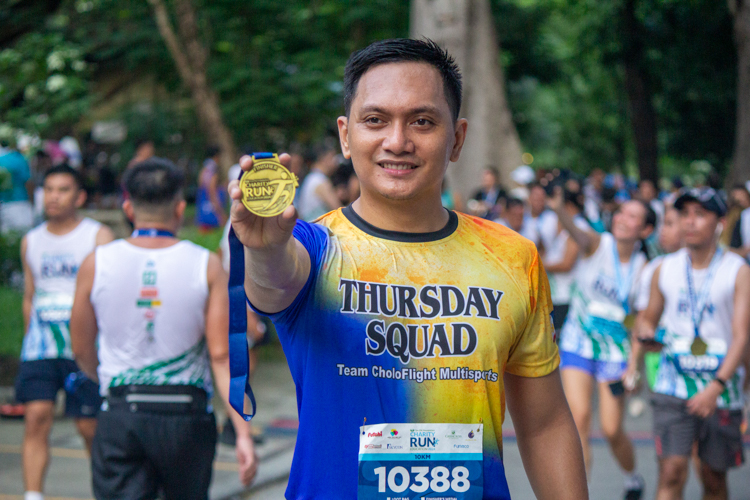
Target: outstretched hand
{"points": [[255, 232]]}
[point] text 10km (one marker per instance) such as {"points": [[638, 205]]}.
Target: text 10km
{"points": [[399, 479]]}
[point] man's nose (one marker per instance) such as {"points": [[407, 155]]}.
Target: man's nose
{"points": [[397, 139]]}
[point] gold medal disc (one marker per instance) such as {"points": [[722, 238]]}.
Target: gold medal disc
{"points": [[698, 347], [268, 188]]}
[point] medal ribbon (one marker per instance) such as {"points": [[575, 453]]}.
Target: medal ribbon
{"points": [[624, 286], [239, 383], [699, 303], [152, 233]]}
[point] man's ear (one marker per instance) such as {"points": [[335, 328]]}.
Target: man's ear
{"points": [[179, 209], [127, 207], [81, 198], [343, 124], [460, 136]]}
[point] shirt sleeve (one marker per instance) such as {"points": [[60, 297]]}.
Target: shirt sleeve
{"points": [[315, 240], [535, 351]]}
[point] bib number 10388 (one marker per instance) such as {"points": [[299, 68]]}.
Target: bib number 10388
{"points": [[421, 479], [415, 461]]}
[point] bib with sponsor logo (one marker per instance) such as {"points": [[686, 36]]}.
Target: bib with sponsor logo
{"points": [[408, 461]]}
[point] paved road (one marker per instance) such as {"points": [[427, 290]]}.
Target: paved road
{"points": [[69, 477]]}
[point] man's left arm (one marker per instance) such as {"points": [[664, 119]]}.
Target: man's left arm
{"points": [[83, 328], [547, 436], [703, 404]]}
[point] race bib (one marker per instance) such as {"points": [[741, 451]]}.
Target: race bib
{"points": [[607, 320], [421, 461], [53, 308], [687, 363]]}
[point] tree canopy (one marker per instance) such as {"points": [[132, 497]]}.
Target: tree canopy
{"points": [[277, 68]]}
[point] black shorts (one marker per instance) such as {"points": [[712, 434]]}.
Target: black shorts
{"points": [[719, 437], [139, 454], [39, 380], [559, 313]]}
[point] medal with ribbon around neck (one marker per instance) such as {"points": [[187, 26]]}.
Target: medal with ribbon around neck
{"points": [[268, 188]]}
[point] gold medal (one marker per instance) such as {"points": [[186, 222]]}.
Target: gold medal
{"points": [[269, 187], [699, 347], [629, 321]]}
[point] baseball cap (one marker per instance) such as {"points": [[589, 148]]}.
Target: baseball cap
{"points": [[707, 197]]}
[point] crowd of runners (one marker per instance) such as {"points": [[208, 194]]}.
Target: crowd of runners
{"points": [[534, 297]]}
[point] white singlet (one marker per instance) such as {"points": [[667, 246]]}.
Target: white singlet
{"points": [[561, 283], [311, 206], [680, 373], [150, 307], [54, 261], [644, 285], [594, 328]]}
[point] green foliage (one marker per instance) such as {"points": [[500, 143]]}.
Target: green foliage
{"points": [[11, 327], [563, 60], [10, 257]]}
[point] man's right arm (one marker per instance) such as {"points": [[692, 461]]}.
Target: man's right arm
{"points": [[28, 287], [648, 319], [276, 264]]}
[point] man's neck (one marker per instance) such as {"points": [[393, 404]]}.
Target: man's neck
{"points": [[158, 241], [63, 225], [406, 216], [625, 250], [701, 255]]}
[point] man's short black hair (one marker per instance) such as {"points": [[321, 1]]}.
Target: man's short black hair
{"points": [[404, 50], [155, 181], [65, 169], [514, 202]]}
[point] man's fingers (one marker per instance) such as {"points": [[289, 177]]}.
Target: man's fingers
{"points": [[288, 218], [234, 190], [285, 159], [246, 163]]}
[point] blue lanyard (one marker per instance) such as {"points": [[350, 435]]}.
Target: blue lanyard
{"points": [[239, 369], [624, 286], [152, 233], [699, 303]]}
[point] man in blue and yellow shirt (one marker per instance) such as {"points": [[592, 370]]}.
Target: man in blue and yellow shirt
{"points": [[397, 310]]}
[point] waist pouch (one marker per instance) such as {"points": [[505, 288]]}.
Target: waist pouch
{"points": [[171, 399]]}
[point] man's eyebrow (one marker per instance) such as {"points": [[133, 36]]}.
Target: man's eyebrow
{"points": [[416, 111]]}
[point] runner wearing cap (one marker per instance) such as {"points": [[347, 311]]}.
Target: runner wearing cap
{"points": [[149, 323], [51, 254], [413, 317], [700, 293], [594, 344]]}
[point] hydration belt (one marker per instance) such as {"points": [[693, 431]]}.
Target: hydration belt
{"points": [[171, 399]]}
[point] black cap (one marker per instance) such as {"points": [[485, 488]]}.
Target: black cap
{"points": [[708, 198]]}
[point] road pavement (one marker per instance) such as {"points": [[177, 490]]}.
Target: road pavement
{"points": [[69, 477]]}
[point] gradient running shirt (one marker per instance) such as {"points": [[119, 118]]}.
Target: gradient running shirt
{"points": [[409, 328]]}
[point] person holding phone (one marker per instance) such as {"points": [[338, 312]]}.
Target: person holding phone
{"points": [[594, 343], [700, 294]]}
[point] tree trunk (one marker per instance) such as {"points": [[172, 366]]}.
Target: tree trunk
{"points": [[740, 169], [640, 104], [466, 29], [190, 57]]}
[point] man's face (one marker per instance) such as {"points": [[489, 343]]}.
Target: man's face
{"points": [[647, 191], [670, 237], [400, 133], [740, 198], [698, 224], [514, 215], [537, 200], [62, 196]]}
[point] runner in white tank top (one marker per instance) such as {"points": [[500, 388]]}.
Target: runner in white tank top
{"points": [[51, 255], [701, 294], [594, 346], [158, 308]]}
